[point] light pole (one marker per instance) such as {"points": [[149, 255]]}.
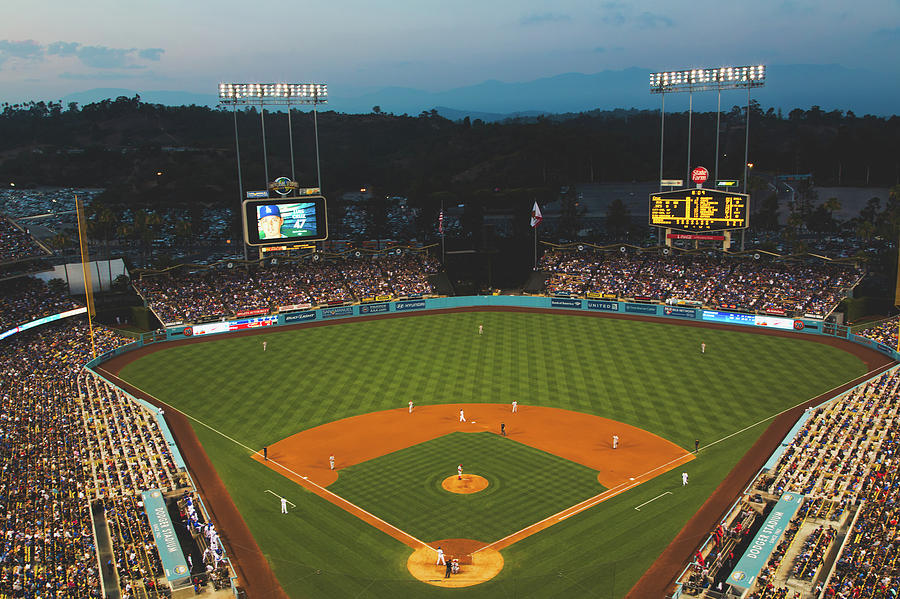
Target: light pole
{"points": [[698, 80], [273, 94]]}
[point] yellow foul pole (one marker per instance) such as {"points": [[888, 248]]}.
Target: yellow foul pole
{"points": [[86, 272]]}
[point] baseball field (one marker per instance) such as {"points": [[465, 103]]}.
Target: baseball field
{"points": [[565, 513]]}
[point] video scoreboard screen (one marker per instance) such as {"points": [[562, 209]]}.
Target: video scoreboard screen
{"points": [[699, 210], [279, 221]]}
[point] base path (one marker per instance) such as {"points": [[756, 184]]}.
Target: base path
{"points": [[577, 437]]}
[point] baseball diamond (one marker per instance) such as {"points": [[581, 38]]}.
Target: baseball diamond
{"points": [[343, 390]]}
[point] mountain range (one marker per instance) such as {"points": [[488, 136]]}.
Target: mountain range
{"points": [[831, 87]]}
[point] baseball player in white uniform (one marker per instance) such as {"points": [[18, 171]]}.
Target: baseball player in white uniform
{"points": [[702, 348], [410, 407], [615, 441], [283, 505], [480, 329], [459, 472], [515, 406], [440, 559], [265, 344], [462, 416], [684, 477], [331, 461]]}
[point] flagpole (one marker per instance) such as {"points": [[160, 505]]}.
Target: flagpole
{"points": [[442, 232], [535, 247]]}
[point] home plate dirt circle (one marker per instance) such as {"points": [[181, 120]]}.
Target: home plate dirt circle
{"points": [[474, 568], [469, 483]]}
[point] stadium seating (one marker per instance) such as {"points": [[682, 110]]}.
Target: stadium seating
{"points": [[220, 291], [792, 288]]}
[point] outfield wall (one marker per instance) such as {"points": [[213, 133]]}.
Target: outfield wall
{"points": [[682, 313]]}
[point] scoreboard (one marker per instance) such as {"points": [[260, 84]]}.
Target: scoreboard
{"points": [[699, 210]]}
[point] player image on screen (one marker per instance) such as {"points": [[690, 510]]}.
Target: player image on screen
{"points": [[276, 221]]}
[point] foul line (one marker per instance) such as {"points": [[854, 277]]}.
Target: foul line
{"points": [[533, 528], [322, 491], [280, 497], [638, 508]]}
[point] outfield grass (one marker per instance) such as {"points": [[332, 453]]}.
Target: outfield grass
{"points": [[404, 487], [647, 374]]}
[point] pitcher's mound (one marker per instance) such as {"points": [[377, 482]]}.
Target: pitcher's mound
{"points": [[470, 483], [474, 568]]}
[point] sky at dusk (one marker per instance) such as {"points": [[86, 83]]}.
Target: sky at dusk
{"points": [[52, 48]]}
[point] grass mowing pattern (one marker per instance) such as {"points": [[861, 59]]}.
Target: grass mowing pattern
{"points": [[648, 374], [526, 485]]}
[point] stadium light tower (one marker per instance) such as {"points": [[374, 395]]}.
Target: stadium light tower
{"points": [[273, 94], [701, 80]]}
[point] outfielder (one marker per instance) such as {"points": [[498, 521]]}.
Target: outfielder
{"points": [[480, 329], [265, 344]]}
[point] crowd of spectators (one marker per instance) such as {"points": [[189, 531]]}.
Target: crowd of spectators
{"points": [[221, 291], [843, 459], [715, 280], [24, 299], [16, 243], [884, 332], [68, 439]]}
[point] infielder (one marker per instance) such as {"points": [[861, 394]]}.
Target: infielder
{"points": [[684, 477], [331, 461], [459, 472], [283, 505], [615, 441], [410, 407], [515, 406], [462, 416]]}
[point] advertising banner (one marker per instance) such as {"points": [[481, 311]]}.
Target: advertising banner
{"points": [[729, 317], [562, 302], [299, 317], [382, 298], [679, 311], [775, 322], [757, 554], [601, 305], [640, 308], [292, 307], [409, 305], [173, 561], [337, 311], [254, 312], [374, 308]]}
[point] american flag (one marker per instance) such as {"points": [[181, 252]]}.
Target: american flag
{"points": [[441, 222]]}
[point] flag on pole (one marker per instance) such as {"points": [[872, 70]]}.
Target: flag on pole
{"points": [[441, 222], [536, 216]]}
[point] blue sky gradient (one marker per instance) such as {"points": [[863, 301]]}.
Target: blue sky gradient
{"points": [[54, 48]]}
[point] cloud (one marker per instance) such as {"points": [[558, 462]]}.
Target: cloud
{"points": [[102, 57], [619, 13], [62, 48], [547, 17], [98, 57], [24, 50], [646, 19], [890, 35], [153, 54]]}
